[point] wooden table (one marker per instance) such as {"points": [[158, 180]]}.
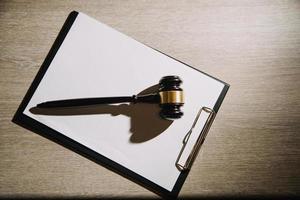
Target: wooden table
{"points": [[253, 146]]}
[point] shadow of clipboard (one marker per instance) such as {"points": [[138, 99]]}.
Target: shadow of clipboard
{"points": [[182, 162]]}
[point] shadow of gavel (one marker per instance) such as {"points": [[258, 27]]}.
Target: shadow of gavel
{"points": [[169, 97]]}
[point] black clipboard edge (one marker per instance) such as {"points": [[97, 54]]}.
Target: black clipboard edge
{"points": [[183, 175], [53, 135], [45, 131], [44, 67]]}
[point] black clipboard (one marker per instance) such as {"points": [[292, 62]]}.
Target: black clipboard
{"points": [[31, 124]]}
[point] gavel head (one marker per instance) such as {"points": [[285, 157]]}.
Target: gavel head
{"points": [[171, 97]]}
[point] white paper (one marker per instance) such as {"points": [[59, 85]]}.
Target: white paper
{"points": [[96, 61]]}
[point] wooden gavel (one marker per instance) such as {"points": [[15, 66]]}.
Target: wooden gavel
{"points": [[169, 96]]}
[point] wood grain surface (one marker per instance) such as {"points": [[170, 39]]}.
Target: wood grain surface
{"points": [[252, 148]]}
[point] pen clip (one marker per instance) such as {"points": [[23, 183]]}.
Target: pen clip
{"points": [[194, 152]]}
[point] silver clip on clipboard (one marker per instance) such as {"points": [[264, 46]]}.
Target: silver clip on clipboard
{"points": [[183, 163]]}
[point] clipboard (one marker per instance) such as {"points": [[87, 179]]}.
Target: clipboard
{"points": [[91, 59]]}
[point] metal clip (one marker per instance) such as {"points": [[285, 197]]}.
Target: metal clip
{"points": [[194, 152]]}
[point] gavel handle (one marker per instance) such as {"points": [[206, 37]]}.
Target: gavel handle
{"points": [[149, 98]]}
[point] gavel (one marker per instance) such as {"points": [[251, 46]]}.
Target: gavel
{"points": [[169, 96]]}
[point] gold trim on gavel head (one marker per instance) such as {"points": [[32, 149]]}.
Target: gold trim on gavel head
{"points": [[173, 96]]}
